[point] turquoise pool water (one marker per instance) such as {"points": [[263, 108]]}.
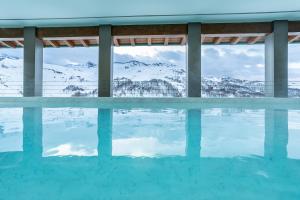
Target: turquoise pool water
{"points": [[236, 150]]}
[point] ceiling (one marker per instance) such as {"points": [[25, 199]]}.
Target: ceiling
{"points": [[18, 13]]}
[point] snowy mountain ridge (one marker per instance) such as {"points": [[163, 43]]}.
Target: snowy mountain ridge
{"points": [[130, 78]]}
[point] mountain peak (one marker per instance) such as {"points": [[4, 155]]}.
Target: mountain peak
{"points": [[133, 63], [5, 56]]}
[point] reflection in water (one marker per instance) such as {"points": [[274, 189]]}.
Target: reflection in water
{"points": [[276, 133], [191, 154], [105, 132], [294, 134], [148, 133], [11, 127], [70, 132], [32, 133], [151, 133], [193, 123], [232, 132]]}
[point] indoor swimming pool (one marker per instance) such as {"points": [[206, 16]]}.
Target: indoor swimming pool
{"points": [[134, 149]]}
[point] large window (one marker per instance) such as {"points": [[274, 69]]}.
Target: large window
{"points": [[70, 72], [294, 70], [233, 70], [149, 71], [11, 72]]}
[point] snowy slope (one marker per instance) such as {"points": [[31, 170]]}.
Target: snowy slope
{"points": [[69, 80], [132, 78], [144, 79], [11, 76]]}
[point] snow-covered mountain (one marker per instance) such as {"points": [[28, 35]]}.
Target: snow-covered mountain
{"points": [[132, 78]]}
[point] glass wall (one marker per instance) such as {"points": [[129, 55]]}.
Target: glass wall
{"points": [[294, 70], [70, 72], [233, 70], [149, 71], [11, 72]]}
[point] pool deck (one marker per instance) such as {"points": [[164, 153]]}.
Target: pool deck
{"points": [[184, 103]]}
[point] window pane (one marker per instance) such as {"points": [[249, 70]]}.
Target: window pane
{"points": [[11, 72], [155, 71], [70, 72], [233, 70], [294, 70]]}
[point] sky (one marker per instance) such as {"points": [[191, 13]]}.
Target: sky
{"points": [[238, 61]]}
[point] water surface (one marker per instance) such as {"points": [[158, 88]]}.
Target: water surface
{"points": [[149, 153]]}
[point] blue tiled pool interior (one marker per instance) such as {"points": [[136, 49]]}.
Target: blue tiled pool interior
{"points": [[207, 151]]}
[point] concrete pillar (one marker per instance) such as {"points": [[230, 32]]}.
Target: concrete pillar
{"points": [[194, 60], [105, 62], [32, 133], [33, 64], [276, 60], [193, 133], [104, 133], [276, 134]]}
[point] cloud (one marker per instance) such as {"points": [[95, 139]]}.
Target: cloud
{"points": [[234, 61], [63, 56], [294, 65], [168, 54], [260, 65], [147, 147], [18, 52], [239, 61]]}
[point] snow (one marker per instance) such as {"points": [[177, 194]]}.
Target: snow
{"points": [[132, 79]]}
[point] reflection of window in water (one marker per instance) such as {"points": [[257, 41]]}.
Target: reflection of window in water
{"points": [[294, 134], [11, 129], [150, 133], [232, 132], [70, 131]]}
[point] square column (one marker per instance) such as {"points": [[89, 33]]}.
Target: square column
{"points": [[33, 63], [276, 61], [194, 60], [105, 62]]}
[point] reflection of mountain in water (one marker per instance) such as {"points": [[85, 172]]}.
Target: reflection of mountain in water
{"points": [[132, 78]]}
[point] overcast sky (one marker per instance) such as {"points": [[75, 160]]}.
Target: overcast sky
{"points": [[238, 61]]}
